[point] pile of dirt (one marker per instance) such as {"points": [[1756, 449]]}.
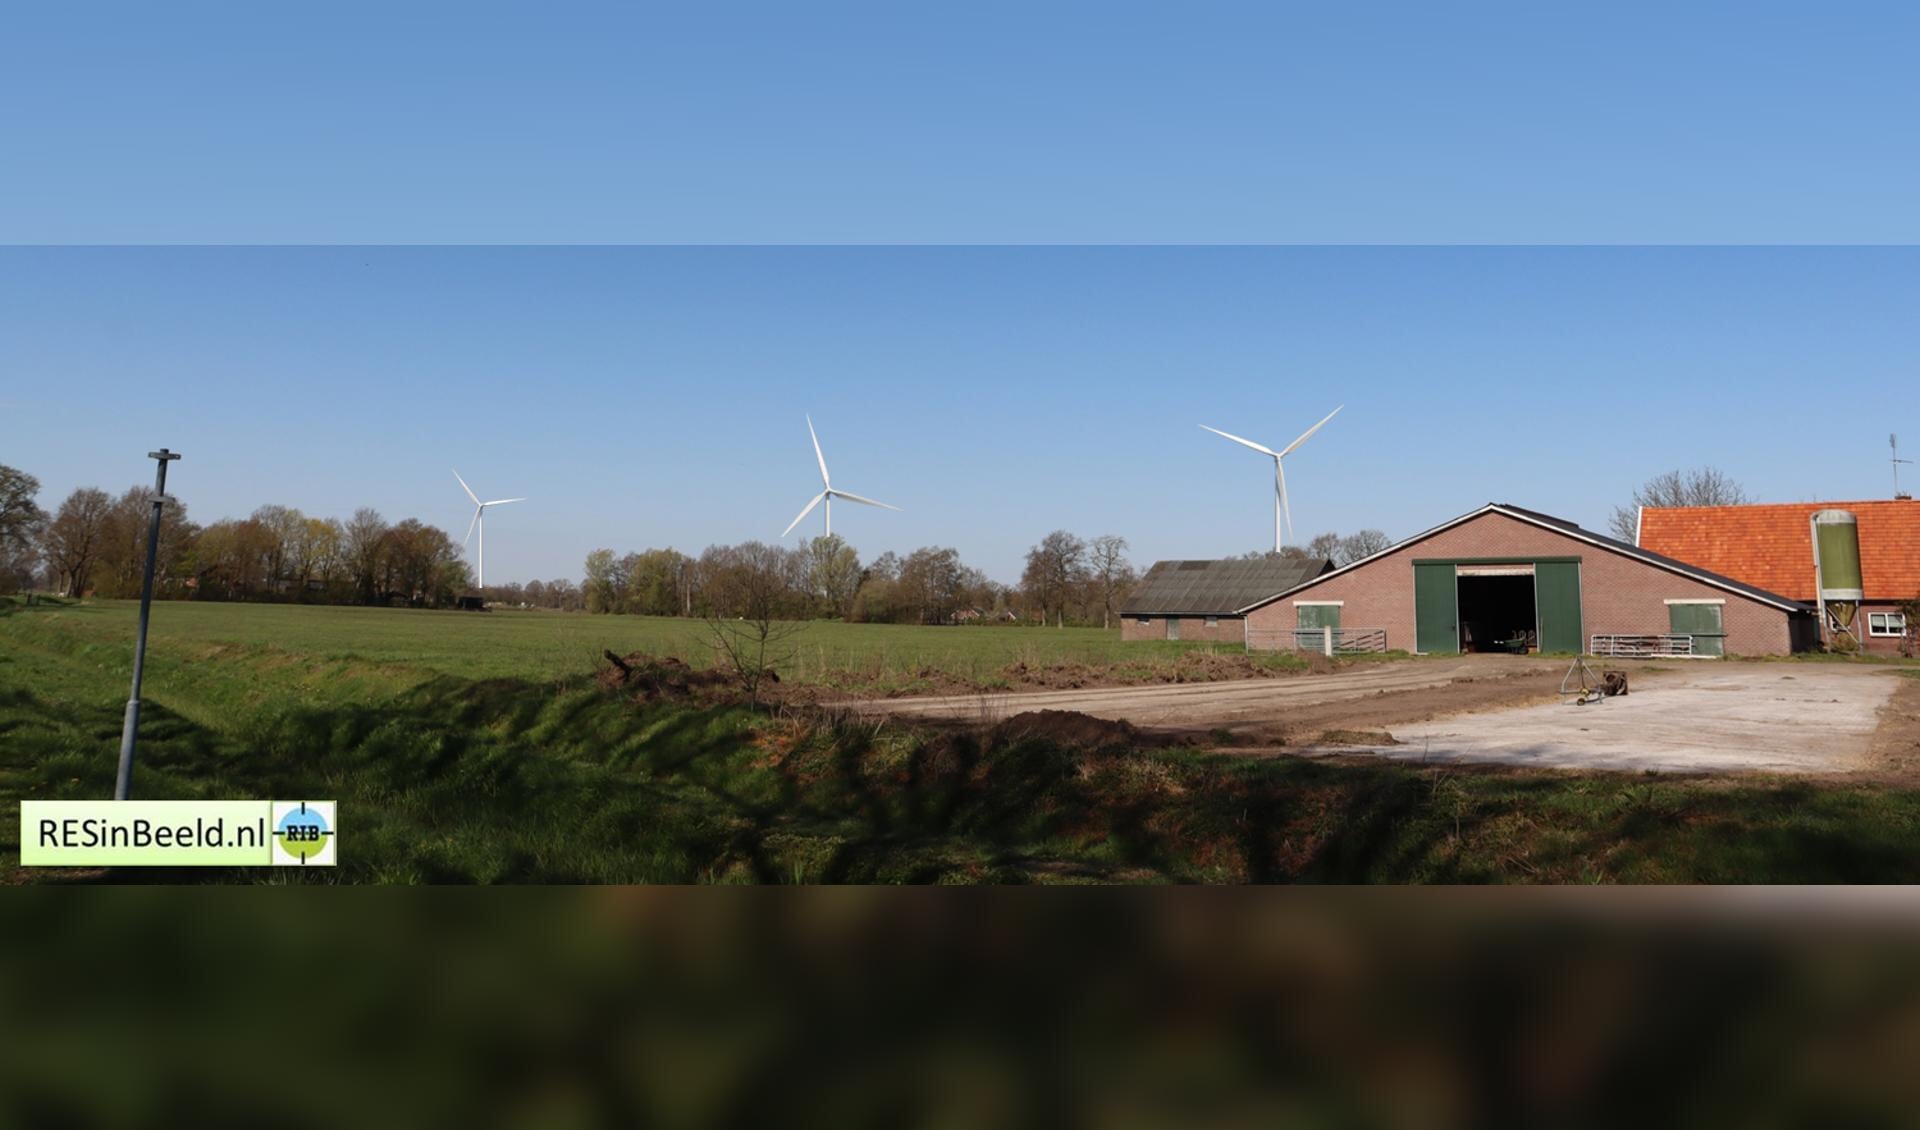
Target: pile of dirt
{"points": [[1075, 730], [652, 677], [1053, 676]]}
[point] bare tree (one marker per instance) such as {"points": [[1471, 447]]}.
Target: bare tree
{"points": [[754, 643], [1702, 486], [73, 540], [20, 521], [365, 537], [1112, 573], [1054, 568], [1359, 544]]}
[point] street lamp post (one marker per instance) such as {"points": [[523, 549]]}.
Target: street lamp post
{"points": [[130, 726]]}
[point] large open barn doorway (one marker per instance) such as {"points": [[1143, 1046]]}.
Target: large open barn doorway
{"points": [[1497, 609]]}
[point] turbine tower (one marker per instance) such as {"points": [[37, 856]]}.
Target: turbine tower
{"points": [[480, 523], [1281, 511], [829, 493]]}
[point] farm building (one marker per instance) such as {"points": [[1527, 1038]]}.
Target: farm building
{"points": [[1208, 600], [1871, 552], [1502, 578]]}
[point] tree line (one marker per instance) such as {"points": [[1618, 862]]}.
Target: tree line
{"points": [[1067, 580], [95, 544]]}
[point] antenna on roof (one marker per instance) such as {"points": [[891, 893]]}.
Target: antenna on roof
{"points": [[1893, 442]]}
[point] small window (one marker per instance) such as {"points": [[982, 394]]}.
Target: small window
{"points": [[1886, 624], [1143, 619], [1213, 621]]}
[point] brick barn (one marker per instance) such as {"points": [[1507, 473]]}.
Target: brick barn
{"points": [[1503, 578], [1208, 600], [1772, 546]]}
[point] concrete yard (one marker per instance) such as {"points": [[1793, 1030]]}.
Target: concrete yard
{"points": [[1713, 718], [1679, 717]]}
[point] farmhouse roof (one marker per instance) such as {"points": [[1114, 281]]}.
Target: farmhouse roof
{"points": [[1771, 545], [1217, 588]]}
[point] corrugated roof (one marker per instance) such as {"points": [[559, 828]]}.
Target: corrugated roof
{"points": [[1770, 545], [1217, 588]]}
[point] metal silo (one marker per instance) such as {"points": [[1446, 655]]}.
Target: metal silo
{"points": [[1836, 572]]}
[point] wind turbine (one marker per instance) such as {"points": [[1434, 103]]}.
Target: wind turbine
{"points": [[479, 523], [1281, 511], [829, 493]]}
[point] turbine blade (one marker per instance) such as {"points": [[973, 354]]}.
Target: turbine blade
{"points": [[1310, 431], [471, 522], [1237, 439], [861, 501], [1280, 477], [824, 481], [803, 513], [502, 501], [468, 489]]}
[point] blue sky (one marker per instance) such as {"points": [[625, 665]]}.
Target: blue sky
{"points": [[655, 396], [984, 122]]}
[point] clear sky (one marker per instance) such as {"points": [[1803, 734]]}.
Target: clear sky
{"points": [[655, 396], [993, 121]]}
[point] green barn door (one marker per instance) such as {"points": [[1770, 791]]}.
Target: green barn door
{"points": [[1436, 610], [1556, 598], [1702, 622]]}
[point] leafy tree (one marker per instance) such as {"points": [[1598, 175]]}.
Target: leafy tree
{"points": [[602, 583], [833, 573], [932, 584], [1702, 486]]}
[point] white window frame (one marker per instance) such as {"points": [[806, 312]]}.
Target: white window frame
{"points": [[1887, 618], [1213, 621], [1142, 620]]}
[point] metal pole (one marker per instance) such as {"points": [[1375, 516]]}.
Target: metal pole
{"points": [[131, 725]]}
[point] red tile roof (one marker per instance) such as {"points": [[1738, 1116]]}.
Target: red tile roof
{"points": [[1771, 546]]}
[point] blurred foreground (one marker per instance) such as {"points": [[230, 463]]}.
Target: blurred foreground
{"points": [[873, 1008]]}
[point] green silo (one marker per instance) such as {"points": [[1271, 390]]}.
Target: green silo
{"points": [[1836, 548], [1836, 570]]}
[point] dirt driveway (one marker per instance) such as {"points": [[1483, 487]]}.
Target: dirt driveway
{"points": [[1281, 709], [1719, 717], [1681, 716]]}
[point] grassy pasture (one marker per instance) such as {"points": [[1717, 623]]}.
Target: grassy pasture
{"points": [[551, 644], [453, 766]]}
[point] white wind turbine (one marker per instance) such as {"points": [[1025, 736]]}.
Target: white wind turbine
{"points": [[1281, 511], [828, 494], [480, 523]]}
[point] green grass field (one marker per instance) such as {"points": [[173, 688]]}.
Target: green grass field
{"points": [[552, 644], [479, 749]]}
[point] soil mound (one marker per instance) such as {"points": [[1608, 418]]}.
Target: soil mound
{"points": [[1080, 731], [648, 677]]}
